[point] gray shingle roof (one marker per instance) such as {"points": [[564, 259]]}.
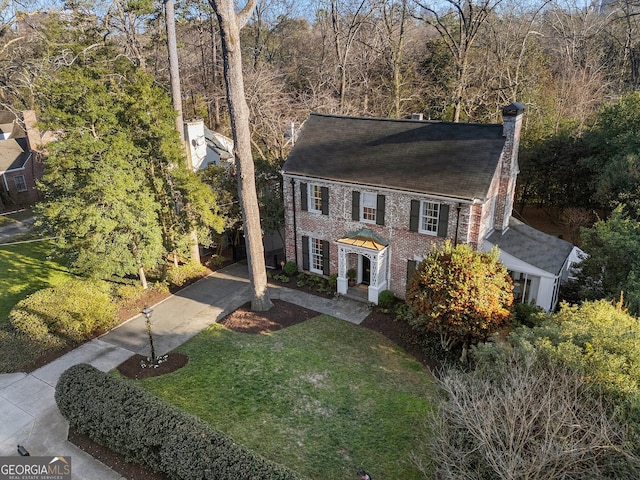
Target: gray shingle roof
{"points": [[449, 159], [13, 154], [532, 246]]}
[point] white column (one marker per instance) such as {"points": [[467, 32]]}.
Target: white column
{"points": [[342, 270], [378, 279]]}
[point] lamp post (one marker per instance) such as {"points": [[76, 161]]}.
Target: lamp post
{"points": [[146, 311]]}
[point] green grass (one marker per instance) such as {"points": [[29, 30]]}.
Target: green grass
{"points": [[25, 269], [324, 397]]}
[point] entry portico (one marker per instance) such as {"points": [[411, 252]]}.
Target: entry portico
{"points": [[371, 260]]}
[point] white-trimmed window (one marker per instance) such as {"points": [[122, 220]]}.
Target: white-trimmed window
{"points": [[368, 206], [315, 255], [525, 287], [315, 198], [429, 215], [21, 183]]}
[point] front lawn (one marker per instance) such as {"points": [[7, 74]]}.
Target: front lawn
{"points": [[323, 397], [26, 269]]}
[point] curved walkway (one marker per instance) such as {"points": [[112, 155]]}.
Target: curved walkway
{"points": [[28, 412]]}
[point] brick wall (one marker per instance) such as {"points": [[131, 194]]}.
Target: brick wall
{"points": [[12, 198], [403, 244]]}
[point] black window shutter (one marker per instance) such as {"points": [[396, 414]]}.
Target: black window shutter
{"points": [[414, 216], [355, 205], [411, 269], [380, 210], [303, 197], [324, 192], [443, 220], [305, 252], [325, 257]]}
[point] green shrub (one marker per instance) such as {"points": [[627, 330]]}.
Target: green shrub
{"points": [[429, 343], [386, 299], [73, 310], [290, 269], [180, 275], [124, 293], [333, 282], [27, 323], [136, 424], [281, 278], [215, 262], [528, 314], [302, 280]]}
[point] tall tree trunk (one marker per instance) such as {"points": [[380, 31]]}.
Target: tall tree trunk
{"points": [[174, 69], [230, 25], [176, 98], [143, 277]]}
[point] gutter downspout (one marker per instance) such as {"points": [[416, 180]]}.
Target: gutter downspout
{"points": [[458, 208], [295, 228]]}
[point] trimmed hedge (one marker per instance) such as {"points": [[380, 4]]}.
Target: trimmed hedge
{"points": [[138, 425]]}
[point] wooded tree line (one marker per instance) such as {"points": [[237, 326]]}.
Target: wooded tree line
{"points": [[450, 59]]}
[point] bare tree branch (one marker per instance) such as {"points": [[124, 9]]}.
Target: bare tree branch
{"points": [[243, 16]]}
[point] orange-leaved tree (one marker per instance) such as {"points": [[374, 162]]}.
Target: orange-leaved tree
{"points": [[461, 294]]}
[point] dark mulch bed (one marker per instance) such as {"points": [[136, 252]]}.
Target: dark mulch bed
{"points": [[243, 320], [131, 471], [281, 315], [138, 366]]}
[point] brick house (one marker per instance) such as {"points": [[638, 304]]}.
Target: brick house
{"points": [[373, 195], [20, 160]]}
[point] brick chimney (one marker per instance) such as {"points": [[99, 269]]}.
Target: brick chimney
{"points": [[511, 125], [33, 133]]}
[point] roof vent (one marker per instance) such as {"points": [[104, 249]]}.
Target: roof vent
{"points": [[417, 116]]}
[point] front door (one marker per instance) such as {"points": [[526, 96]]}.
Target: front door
{"points": [[366, 270]]}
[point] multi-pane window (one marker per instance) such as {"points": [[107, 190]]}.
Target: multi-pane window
{"points": [[525, 287], [429, 217], [21, 183], [315, 198], [315, 255], [368, 205]]}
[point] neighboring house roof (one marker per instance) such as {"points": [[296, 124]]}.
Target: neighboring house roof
{"points": [[9, 128], [455, 160], [13, 154], [532, 246]]}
